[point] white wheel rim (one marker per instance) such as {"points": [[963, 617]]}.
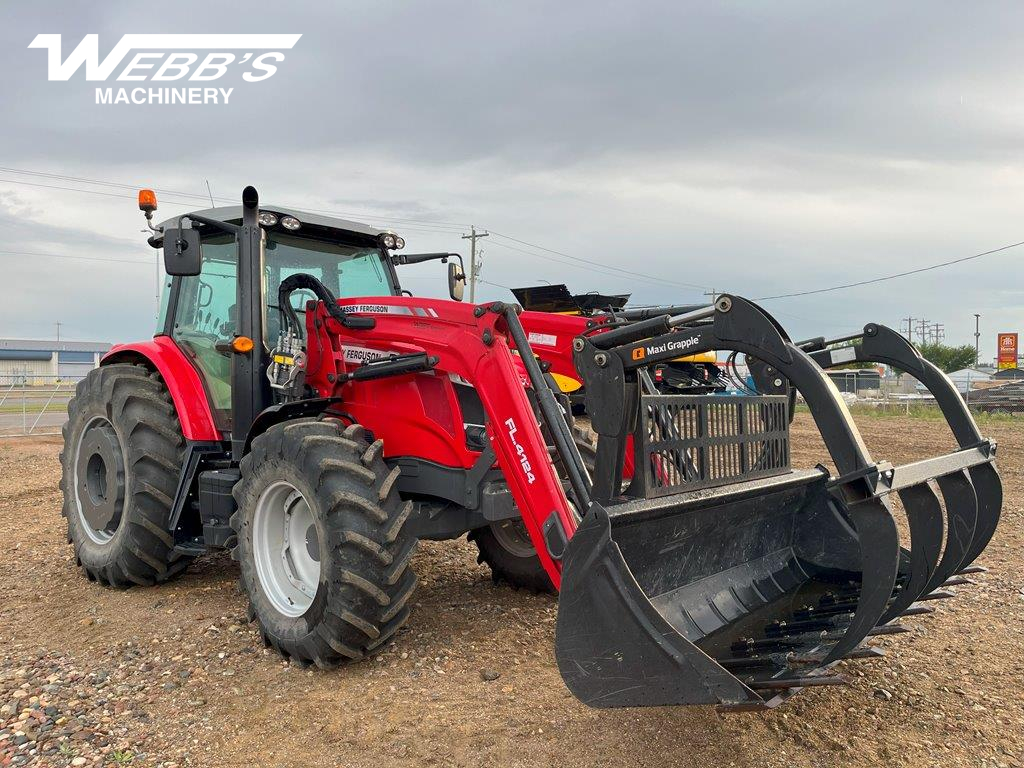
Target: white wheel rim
{"points": [[286, 548]]}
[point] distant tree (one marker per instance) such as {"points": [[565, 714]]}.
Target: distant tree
{"points": [[948, 358]]}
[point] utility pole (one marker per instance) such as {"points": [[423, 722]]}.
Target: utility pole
{"points": [[922, 330], [938, 332], [977, 339], [474, 267], [713, 294], [910, 328]]}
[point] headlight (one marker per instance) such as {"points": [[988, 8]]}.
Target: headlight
{"points": [[290, 222], [399, 242], [268, 219], [389, 241]]}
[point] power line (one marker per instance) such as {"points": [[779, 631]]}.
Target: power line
{"points": [[599, 268], [893, 277], [164, 200], [98, 182], [631, 273], [80, 258], [86, 191]]}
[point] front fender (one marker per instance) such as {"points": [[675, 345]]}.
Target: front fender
{"points": [[181, 379]]}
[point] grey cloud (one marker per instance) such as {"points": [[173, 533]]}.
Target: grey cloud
{"points": [[752, 148]]}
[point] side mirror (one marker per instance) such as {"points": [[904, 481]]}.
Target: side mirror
{"points": [[456, 281], [182, 252]]}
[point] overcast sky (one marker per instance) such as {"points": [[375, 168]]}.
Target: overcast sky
{"points": [[759, 149]]}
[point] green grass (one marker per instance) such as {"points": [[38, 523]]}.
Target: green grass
{"points": [[923, 412]]}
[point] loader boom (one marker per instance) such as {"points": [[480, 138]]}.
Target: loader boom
{"points": [[473, 343]]}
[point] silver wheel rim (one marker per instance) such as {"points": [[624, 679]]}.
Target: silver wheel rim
{"points": [[102, 480], [286, 548], [513, 538]]}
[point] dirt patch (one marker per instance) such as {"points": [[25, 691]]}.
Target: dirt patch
{"points": [[174, 675]]}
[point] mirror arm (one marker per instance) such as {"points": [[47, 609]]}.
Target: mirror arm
{"points": [[418, 258], [157, 240], [231, 229]]}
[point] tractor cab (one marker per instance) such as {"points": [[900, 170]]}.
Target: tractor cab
{"points": [[200, 306]]}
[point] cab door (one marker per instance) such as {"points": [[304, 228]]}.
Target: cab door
{"points": [[204, 322]]}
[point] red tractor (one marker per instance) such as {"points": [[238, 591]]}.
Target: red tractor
{"points": [[298, 408]]}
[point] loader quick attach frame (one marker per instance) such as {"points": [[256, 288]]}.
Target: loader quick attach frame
{"points": [[743, 587]]}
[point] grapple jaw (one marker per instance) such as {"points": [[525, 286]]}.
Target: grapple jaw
{"points": [[720, 575]]}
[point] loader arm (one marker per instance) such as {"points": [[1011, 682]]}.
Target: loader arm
{"points": [[476, 344]]}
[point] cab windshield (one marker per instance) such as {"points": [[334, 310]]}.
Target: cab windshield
{"points": [[346, 270]]}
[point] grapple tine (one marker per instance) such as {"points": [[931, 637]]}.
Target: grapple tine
{"points": [[989, 491], [880, 554], [918, 610], [888, 629], [973, 569], [800, 682], [956, 581], [939, 594], [924, 518], [866, 652], [961, 517]]}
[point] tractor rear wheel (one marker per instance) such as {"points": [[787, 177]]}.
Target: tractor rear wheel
{"points": [[322, 543], [506, 547], [122, 456]]}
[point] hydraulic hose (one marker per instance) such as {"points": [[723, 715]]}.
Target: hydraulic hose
{"points": [[322, 292]]}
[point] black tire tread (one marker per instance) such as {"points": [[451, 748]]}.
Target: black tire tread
{"points": [[136, 401], [369, 579]]}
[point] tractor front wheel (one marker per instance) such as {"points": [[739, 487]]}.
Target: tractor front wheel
{"points": [[322, 544], [506, 547], [123, 450]]}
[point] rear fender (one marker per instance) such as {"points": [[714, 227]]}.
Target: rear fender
{"points": [[181, 379]]}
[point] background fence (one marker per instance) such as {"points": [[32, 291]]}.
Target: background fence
{"points": [[34, 405], [31, 404]]}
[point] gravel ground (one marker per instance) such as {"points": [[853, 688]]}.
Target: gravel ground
{"points": [[174, 676]]}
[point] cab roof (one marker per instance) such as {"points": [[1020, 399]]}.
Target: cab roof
{"points": [[233, 214]]}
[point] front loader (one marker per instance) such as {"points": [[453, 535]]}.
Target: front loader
{"points": [[300, 411]]}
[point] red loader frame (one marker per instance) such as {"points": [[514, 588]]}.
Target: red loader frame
{"points": [[471, 343]]}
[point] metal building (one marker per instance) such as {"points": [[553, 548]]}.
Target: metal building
{"points": [[32, 362]]}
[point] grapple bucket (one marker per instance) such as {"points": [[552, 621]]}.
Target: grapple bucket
{"points": [[721, 595], [721, 575]]}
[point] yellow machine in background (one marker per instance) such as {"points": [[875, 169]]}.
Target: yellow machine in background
{"points": [[695, 374]]}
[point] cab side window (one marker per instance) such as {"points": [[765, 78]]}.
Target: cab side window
{"points": [[205, 319]]}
